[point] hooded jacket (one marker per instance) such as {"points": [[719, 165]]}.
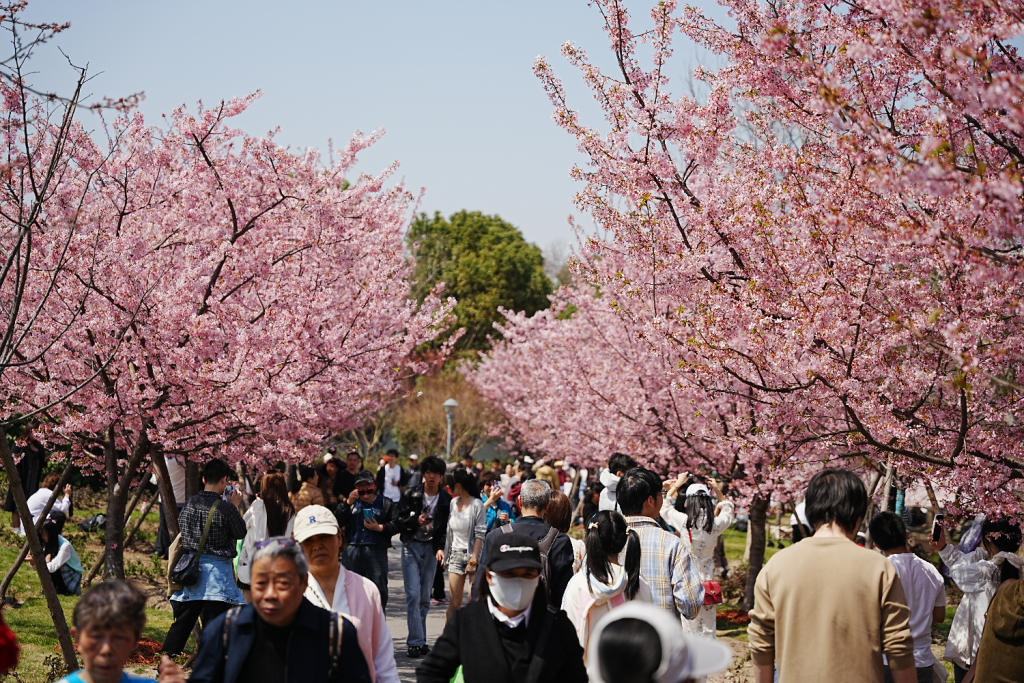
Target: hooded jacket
{"points": [[611, 482], [585, 605], [1001, 655]]}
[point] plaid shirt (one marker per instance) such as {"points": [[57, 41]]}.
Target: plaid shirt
{"points": [[227, 528], [669, 568]]}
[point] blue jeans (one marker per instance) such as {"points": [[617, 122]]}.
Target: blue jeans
{"points": [[418, 566], [371, 562]]}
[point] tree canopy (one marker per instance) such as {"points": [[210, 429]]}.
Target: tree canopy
{"points": [[485, 264]]}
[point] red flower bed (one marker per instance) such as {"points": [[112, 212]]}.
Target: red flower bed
{"points": [[733, 616]]}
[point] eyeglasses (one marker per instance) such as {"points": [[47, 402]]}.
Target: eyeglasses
{"points": [[283, 542], [366, 492]]}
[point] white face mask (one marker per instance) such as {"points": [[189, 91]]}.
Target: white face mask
{"points": [[513, 594]]}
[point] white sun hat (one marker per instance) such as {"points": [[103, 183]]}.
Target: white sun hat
{"points": [[682, 656]]}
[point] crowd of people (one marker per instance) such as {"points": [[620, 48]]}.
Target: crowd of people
{"points": [[295, 585]]}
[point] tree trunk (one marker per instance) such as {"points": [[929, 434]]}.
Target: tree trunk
{"points": [[163, 483], [60, 624], [102, 559], [193, 479], [39, 525], [146, 508], [119, 484], [756, 531]]}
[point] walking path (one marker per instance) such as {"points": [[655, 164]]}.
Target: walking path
{"points": [[395, 614]]}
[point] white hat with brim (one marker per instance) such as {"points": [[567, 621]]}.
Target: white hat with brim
{"points": [[314, 520], [682, 656]]}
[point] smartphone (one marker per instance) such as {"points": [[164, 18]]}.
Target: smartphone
{"points": [[937, 527], [368, 516], [228, 492]]}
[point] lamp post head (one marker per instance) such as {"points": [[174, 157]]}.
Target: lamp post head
{"points": [[449, 406]]}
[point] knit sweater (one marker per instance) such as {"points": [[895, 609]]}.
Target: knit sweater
{"points": [[826, 609]]}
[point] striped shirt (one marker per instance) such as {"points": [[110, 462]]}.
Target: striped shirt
{"points": [[669, 568]]}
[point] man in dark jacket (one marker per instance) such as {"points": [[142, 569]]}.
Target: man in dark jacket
{"points": [[281, 637], [374, 522], [555, 546], [508, 627], [216, 591], [423, 522]]}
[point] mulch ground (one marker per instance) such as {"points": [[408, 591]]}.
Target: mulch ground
{"points": [[146, 652]]}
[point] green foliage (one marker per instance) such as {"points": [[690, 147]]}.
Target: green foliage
{"points": [[485, 263]]}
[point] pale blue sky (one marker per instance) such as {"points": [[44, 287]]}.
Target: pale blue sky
{"points": [[450, 80]]}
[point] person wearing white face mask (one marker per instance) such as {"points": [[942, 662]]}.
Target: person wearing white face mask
{"points": [[508, 634]]}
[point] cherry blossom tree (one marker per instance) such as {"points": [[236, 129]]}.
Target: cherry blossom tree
{"points": [[276, 305], [829, 242]]}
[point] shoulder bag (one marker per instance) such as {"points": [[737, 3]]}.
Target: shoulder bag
{"points": [[186, 570]]}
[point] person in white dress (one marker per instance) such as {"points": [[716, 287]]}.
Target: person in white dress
{"points": [[978, 574], [334, 588], [700, 522], [605, 582]]}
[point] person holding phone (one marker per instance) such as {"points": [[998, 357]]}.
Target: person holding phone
{"points": [[499, 512], [374, 522]]}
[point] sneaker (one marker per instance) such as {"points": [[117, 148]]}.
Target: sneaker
{"points": [[417, 651], [434, 602]]}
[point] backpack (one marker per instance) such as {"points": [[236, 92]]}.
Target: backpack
{"points": [[335, 637], [545, 547]]}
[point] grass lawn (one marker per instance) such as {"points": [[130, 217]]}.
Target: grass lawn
{"points": [[31, 620], [736, 542]]}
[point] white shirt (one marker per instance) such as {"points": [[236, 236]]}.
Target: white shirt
{"points": [[392, 476], [37, 502], [460, 525], [607, 500], [925, 590], [385, 668], [511, 622], [58, 560]]}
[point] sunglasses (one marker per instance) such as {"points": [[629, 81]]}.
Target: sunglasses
{"points": [[366, 492], [283, 542]]}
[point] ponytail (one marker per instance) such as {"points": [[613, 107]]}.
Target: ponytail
{"points": [[598, 565], [632, 564], [1007, 572]]}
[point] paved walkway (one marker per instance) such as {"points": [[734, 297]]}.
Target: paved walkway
{"points": [[395, 614]]}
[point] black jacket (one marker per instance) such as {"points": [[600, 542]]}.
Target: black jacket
{"points": [[389, 518], [309, 650], [409, 509], [559, 558], [471, 638]]}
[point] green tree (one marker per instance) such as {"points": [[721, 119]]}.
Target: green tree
{"points": [[485, 263]]}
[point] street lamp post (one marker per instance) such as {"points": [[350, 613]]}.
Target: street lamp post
{"points": [[449, 411]]}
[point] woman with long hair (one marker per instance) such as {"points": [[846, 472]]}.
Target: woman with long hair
{"points": [[60, 557], [609, 578], [271, 514], [467, 526], [700, 521], [558, 514]]}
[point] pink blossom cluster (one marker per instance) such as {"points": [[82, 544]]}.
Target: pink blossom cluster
{"points": [[818, 262], [230, 296]]}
